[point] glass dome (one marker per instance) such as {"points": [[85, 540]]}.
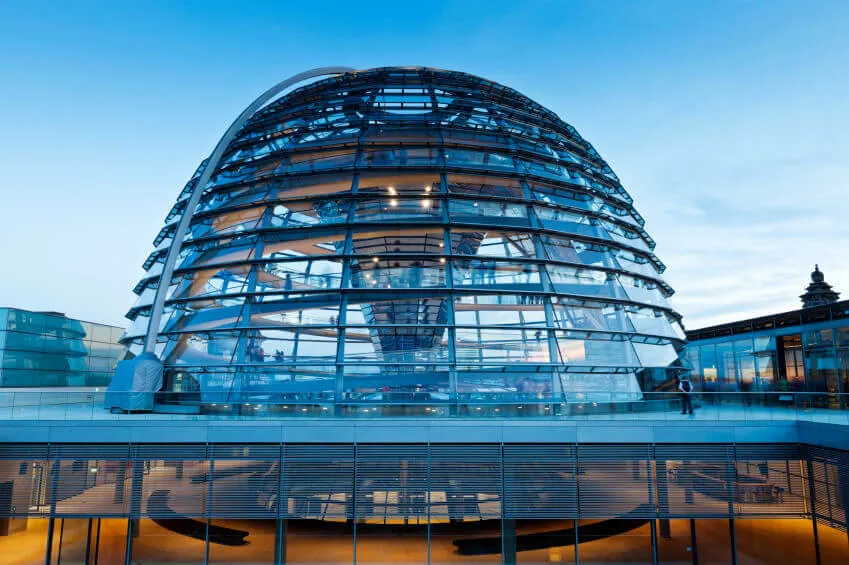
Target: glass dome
{"points": [[409, 239]]}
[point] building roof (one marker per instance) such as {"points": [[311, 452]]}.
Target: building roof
{"points": [[801, 317]]}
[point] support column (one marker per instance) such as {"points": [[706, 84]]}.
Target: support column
{"points": [[508, 541], [577, 539], [733, 541], [48, 552], [663, 498], [694, 546], [280, 533], [88, 543], [653, 525], [816, 541]]}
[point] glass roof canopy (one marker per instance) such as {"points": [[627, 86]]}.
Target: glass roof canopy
{"points": [[409, 236]]}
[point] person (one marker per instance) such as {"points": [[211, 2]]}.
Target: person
{"points": [[686, 388]]}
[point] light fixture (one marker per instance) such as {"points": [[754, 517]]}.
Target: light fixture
{"points": [[375, 259], [93, 469], [393, 202], [442, 259], [427, 188], [441, 245], [392, 190], [426, 203]]}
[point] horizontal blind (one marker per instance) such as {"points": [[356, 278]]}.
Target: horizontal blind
{"points": [[244, 481], [614, 481], [169, 481], [392, 483], [89, 479], [830, 484], [318, 481], [24, 474], [769, 480], [539, 481], [694, 480], [465, 482]]}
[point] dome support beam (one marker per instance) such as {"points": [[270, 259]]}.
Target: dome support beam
{"points": [[212, 163]]}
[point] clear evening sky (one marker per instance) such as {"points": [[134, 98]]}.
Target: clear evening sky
{"points": [[727, 121]]}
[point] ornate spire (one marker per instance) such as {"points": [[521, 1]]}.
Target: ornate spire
{"points": [[819, 292]]}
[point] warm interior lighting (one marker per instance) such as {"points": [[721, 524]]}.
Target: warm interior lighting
{"points": [[393, 203], [426, 204]]}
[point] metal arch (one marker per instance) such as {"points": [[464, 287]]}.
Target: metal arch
{"points": [[197, 191]]}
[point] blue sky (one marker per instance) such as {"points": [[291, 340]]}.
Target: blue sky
{"points": [[727, 121]]}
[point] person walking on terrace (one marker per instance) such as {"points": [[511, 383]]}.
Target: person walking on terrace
{"points": [[686, 388]]}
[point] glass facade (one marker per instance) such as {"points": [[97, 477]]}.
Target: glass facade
{"points": [[409, 236], [47, 349], [774, 356], [428, 504]]}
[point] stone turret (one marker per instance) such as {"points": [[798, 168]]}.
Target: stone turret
{"points": [[819, 292]]}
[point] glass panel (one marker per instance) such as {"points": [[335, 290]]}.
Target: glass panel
{"points": [[594, 316], [380, 309], [599, 387], [298, 276], [500, 310], [496, 274], [413, 241], [543, 542], [727, 375], [295, 313], [396, 383], [713, 542], [24, 541], [466, 542], [744, 362], [494, 244], [584, 352], [397, 273], [109, 540], [286, 245], [578, 252], [389, 185], [241, 541], [769, 541], [314, 212], [710, 372], [399, 157], [320, 542], [392, 209], [302, 162], [228, 222], [169, 541], [498, 345], [390, 344], [484, 186], [486, 211], [652, 355], [615, 541], [308, 186], [477, 159], [400, 544], [584, 282], [674, 542]]}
